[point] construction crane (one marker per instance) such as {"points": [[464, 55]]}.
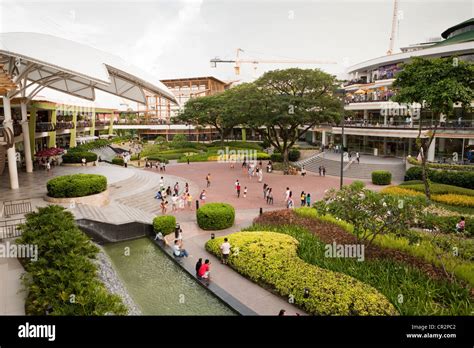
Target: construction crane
{"points": [[394, 27], [238, 61]]}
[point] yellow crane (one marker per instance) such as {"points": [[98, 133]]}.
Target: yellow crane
{"points": [[238, 61], [394, 27]]}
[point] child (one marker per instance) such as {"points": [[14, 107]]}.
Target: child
{"points": [[308, 200], [461, 225], [245, 191]]}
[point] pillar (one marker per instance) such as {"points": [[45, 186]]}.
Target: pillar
{"points": [[26, 138], [72, 140], [8, 123], [313, 137], [323, 139], [366, 114], [93, 123], [442, 144], [111, 125], [32, 126], [344, 140], [385, 116], [244, 134], [385, 146], [431, 151], [52, 135]]}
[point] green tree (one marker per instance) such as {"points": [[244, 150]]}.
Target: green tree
{"points": [[283, 105], [435, 84]]}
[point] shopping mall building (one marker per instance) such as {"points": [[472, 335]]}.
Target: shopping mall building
{"points": [[380, 127]]}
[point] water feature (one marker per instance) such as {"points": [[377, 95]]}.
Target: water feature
{"points": [[157, 284]]}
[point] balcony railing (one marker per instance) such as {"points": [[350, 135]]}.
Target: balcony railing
{"points": [[64, 125], [450, 125], [45, 127], [100, 123], [83, 124]]}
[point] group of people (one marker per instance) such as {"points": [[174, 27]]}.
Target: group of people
{"points": [[157, 165], [322, 171], [178, 200], [203, 269], [268, 194], [253, 169]]}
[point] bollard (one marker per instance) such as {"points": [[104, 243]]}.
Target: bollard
{"points": [[261, 210], [213, 236], [197, 204]]}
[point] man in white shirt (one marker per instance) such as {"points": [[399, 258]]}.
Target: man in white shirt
{"points": [[225, 249]]}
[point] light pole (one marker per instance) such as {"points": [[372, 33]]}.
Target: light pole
{"points": [[342, 153]]}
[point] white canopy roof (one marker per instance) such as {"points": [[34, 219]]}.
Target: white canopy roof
{"points": [[74, 68]]}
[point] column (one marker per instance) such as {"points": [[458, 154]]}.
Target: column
{"points": [[26, 138], [344, 140], [385, 146], [111, 124], [366, 114], [431, 151], [93, 123], [442, 144], [8, 123], [32, 126], [313, 137], [52, 135], [72, 140], [323, 139], [244, 134], [385, 119]]}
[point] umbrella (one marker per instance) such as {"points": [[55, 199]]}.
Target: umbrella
{"points": [[360, 91]]}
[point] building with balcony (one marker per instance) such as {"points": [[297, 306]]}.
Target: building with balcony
{"points": [[381, 127]]}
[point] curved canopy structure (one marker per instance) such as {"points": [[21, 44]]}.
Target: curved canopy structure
{"points": [[38, 60]]}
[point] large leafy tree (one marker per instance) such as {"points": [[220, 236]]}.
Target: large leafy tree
{"points": [[283, 105], [437, 85], [209, 111]]}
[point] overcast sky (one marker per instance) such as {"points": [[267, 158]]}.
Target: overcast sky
{"points": [[177, 38]]}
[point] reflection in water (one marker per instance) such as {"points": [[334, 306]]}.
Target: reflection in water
{"points": [[157, 284]]}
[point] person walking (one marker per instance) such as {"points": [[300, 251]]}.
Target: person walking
{"points": [[189, 200], [287, 194], [308, 200], [202, 197], [324, 171], [260, 175], [174, 202], [265, 186], [245, 192], [237, 188], [303, 199], [162, 183], [270, 196], [320, 170], [208, 180], [225, 249], [358, 157], [176, 188], [303, 172]]}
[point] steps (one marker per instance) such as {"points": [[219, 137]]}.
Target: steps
{"points": [[105, 153], [354, 170]]}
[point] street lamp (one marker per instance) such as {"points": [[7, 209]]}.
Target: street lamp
{"points": [[342, 153]]}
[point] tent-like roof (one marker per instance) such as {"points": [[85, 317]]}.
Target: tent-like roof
{"points": [[73, 68]]}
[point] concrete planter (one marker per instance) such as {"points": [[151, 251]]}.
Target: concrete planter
{"points": [[98, 200]]}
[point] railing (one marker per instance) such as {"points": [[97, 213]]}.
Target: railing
{"points": [[367, 100], [451, 125], [16, 207], [9, 228], [64, 125], [45, 127], [83, 124]]}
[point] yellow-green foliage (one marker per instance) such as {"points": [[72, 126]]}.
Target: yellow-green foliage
{"points": [[271, 258], [454, 199], [399, 191]]}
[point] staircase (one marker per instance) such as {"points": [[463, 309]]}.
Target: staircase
{"points": [[105, 153], [352, 170]]}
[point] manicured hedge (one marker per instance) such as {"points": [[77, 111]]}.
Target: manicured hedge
{"points": [[96, 144], [440, 189], [76, 185], [164, 224], [215, 216], [63, 280], [77, 156], [446, 224], [381, 177], [445, 166], [294, 155], [456, 178], [271, 259], [276, 157], [118, 161]]}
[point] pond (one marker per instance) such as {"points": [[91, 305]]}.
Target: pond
{"points": [[159, 286]]}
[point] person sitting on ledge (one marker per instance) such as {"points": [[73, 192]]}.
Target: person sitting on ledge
{"points": [[178, 251]]}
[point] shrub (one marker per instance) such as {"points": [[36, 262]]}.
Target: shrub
{"points": [[77, 156], [63, 268], [455, 178], [164, 224], [215, 216], [96, 144], [401, 191], [446, 224], [118, 161], [381, 177], [76, 185], [444, 166], [271, 259], [276, 157], [294, 155]]}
